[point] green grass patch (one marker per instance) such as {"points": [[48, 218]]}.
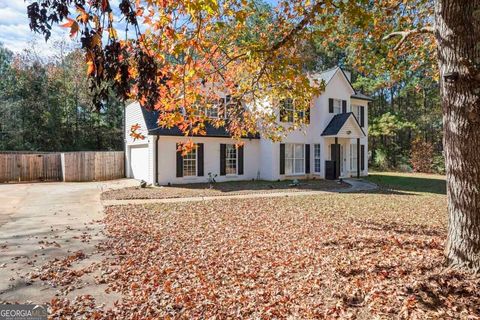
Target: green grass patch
{"points": [[410, 182]]}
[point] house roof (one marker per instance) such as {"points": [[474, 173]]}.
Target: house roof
{"points": [[328, 75], [337, 123], [211, 131], [361, 96]]}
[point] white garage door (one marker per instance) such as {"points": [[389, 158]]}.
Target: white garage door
{"points": [[139, 162]]}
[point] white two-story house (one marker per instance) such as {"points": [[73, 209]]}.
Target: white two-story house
{"points": [[333, 144]]}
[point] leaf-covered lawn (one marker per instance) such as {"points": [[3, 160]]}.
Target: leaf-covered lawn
{"points": [[218, 189], [362, 256]]}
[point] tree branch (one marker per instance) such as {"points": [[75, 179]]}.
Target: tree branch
{"points": [[406, 34]]}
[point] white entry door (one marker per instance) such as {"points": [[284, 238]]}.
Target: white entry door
{"points": [[139, 162]]}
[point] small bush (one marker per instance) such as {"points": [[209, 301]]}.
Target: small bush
{"points": [[438, 165], [380, 160], [421, 156]]}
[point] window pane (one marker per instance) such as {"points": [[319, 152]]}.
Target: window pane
{"points": [[337, 106], [231, 159], [288, 166], [317, 158], [317, 151], [288, 151], [299, 165], [299, 149], [190, 163], [317, 165]]}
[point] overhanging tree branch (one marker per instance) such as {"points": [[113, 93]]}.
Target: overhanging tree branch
{"points": [[406, 34]]}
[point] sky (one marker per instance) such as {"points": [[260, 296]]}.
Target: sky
{"points": [[15, 34]]}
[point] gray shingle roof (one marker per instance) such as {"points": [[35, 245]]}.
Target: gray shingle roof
{"points": [[337, 123], [361, 96], [153, 128]]}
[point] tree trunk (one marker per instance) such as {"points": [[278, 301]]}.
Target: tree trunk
{"points": [[458, 40]]}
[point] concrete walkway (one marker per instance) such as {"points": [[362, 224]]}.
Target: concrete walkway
{"points": [[356, 185]]}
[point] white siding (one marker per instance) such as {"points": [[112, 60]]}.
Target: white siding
{"points": [[337, 88], [134, 115], [167, 160]]}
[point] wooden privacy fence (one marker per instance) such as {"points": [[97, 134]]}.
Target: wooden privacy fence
{"points": [[30, 167], [69, 166], [93, 166]]}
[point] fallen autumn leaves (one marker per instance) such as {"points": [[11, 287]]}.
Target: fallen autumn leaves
{"points": [[330, 256]]}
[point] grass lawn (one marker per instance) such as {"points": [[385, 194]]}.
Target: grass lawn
{"points": [[219, 188], [376, 255], [410, 182]]}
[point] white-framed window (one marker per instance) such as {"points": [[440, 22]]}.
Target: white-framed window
{"points": [[289, 112], [190, 163], [356, 112], [231, 159], [353, 157], [317, 155], [212, 111], [337, 106], [294, 158]]}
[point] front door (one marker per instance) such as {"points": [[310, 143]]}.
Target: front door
{"points": [[336, 155]]}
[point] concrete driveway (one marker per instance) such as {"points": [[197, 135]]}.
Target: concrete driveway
{"points": [[43, 221]]}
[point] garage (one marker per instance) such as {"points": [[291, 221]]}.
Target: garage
{"points": [[139, 162]]}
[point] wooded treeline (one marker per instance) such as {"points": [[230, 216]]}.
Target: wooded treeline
{"points": [[45, 104]]}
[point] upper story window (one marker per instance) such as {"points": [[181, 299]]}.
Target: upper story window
{"points": [[337, 106], [212, 111], [356, 111], [218, 109], [288, 112], [359, 112]]}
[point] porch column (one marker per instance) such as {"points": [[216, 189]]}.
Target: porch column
{"points": [[337, 159], [358, 158]]}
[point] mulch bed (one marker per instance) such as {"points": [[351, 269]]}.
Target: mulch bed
{"points": [[220, 189]]}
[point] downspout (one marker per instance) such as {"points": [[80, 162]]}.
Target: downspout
{"points": [[125, 173], [155, 178]]}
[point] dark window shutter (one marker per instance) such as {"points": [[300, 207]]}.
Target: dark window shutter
{"points": [[362, 116], [307, 115], [240, 160], [223, 157], [282, 158], [344, 106], [200, 165], [283, 111], [362, 157], [179, 162], [307, 158], [330, 105]]}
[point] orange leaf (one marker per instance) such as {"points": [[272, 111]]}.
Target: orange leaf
{"points": [[73, 25]]}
